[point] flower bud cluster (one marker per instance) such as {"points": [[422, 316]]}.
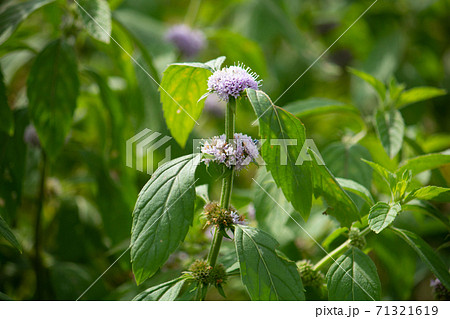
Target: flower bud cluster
{"points": [[309, 276], [221, 217], [356, 240], [238, 152], [202, 272]]}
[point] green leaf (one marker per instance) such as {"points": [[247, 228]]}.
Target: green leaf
{"points": [[6, 232], [427, 208], [52, 94], [353, 277], [265, 274], [167, 291], [426, 253], [96, 17], [390, 128], [181, 88], [379, 87], [418, 94], [344, 160], [356, 188], [272, 212], [317, 105], [434, 193], [382, 214], [292, 176], [162, 215], [15, 14], [388, 177], [6, 115], [340, 205], [423, 163]]}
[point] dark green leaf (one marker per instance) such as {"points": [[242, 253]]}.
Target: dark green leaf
{"points": [[272, 212], [356, 188], [290, 174], [418, 94], [15, 14], [167, 291], [427, 208], [96, 17], [426, 253], [162, 215], [390, 128], [265, 274], [316, 106], [7, 233], [382, 214], [181, 88], [340, 205], [344, 160], [379, 87], [353, 277], [425, 162], [52, 93], [6, 116]]}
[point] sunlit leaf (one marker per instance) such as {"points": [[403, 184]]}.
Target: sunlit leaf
{"points": [[356, 188], [433, 193], [418, 94], [182, 86], [425, 162]]}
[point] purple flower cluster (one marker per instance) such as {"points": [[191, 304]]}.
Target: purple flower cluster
{"points": [[232, 81], [188, 41], [239, 152]]}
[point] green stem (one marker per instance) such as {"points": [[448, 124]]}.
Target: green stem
{"points": [[192, 11], [227, 183], [336, 252]]}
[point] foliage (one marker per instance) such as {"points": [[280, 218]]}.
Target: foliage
{"points": [[353, 173]]}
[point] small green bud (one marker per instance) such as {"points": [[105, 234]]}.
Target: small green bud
{"points": [[356, 240], [202, 272], [309, 276]]}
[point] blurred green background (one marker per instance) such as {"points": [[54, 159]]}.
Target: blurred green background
{"points": [[89, 193]]}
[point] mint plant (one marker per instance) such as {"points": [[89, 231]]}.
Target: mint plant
{"points": [[167, 203]]}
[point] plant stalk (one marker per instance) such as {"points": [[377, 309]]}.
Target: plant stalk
{"points": [[337, 252], [227, 183]]}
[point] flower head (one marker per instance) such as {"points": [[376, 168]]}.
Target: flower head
{"points": [[232, 81], [220, 217], [188, 41], [239, 152]]}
